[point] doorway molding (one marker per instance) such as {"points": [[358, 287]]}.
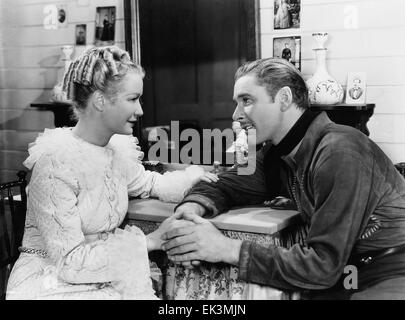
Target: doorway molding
{"points": [[132, 32]]}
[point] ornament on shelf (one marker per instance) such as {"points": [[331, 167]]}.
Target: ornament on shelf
{"points": [[67, 51], [57, 94], [323, 88]]}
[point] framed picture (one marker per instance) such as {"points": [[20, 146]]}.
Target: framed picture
{"points": [[287, 14], [62, 16], [105, 26], [80, 34], [288, 48], [356, 87]]}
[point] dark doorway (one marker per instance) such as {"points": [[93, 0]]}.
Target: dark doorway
{"points": [[190, 50]]}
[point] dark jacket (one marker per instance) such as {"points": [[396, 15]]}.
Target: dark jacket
{"points": [[344, 186]]}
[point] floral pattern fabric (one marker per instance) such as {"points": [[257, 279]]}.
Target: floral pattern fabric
{"points": [[220, 281]]}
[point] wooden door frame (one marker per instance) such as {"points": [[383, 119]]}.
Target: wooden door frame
{"points": [[132, 32], [131, 25]]}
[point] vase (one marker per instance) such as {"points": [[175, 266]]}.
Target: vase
{"points": [[323, 88], [58, 95]]}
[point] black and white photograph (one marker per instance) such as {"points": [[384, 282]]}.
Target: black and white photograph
{"points": [[288, 48], [287, 14], [62, 16], [187, 153], [81, 34], [356, 87], [105, 26]]}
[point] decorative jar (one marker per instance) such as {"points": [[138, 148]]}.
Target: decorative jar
{"points": [[323, 88]]}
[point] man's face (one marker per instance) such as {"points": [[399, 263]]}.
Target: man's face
{"points": [[256, 107]]}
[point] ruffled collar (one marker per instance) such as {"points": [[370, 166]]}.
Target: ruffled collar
{"points": [[63, 139], [56, 140]]}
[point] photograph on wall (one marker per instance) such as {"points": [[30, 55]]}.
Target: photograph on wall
{"points": [[62, 16], [105, 26], [356, 87], [287, 14], [288, 48], [80, 34]]}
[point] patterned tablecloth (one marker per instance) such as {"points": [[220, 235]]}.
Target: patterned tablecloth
{"points": [[217, 281]]}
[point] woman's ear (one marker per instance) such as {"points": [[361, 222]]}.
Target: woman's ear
{"points": [[284, 97], [98, 101]]}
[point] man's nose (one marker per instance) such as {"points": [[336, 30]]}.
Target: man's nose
{"points": [[238, 114]]}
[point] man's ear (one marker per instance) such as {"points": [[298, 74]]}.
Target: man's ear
{"points": [[98, 101], [284, 97]]}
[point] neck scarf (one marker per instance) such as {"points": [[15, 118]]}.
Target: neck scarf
{"points": [[272, 158]]}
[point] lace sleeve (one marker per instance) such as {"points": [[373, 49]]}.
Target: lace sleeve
{"points": [[173, 186], [169, 187], [121, 258]]}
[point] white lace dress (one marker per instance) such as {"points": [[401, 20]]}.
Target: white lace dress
{"points": [[77, 198]]}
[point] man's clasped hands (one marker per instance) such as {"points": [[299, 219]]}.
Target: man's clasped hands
{"points": [[188, 239]]}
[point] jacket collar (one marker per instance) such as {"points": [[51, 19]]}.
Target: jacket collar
{"points": [[309, 142]]}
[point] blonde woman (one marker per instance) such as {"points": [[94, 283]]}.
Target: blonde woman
{"points": [[73, 247]]}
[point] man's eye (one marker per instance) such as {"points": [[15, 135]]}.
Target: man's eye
{"points": [[246, 101]]}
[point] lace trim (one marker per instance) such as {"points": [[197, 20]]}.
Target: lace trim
{"points": [[39, 252]]}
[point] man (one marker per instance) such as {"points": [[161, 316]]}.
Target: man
{"points": [[286, 53], [344, 186]]}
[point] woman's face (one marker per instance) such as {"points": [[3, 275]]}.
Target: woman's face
{"points": [[122, 112]]}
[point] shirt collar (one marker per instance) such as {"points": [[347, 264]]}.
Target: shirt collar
{"points": [[310, 140]]}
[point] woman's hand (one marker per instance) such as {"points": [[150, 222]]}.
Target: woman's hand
{"points": [[154, 239], [209, 177], [201, 241]]}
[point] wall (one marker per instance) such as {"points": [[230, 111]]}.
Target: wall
{"points": [[376, 45], [30, 65], [30, 62]]}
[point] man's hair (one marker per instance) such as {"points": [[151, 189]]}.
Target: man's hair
{"points": [[275, 73]]}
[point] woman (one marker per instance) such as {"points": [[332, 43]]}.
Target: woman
{"points": [[78, 193], [282, 19]]}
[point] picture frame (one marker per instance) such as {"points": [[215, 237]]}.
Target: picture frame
{"points": [[288, 48], [287, 14], [62, 16], [356, 88], [81, 34], [105, 26]]}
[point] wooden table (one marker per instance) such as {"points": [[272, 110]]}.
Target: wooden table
{"points": [[219, 281]]}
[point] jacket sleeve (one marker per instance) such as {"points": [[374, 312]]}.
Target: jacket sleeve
{"points": [[53, 197], [341, 186], [231, 190]]}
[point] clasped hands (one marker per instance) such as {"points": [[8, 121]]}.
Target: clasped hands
{"points": [[189, 239]]}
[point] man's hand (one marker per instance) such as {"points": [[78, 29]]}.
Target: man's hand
{"points": [[154, 239], [189, 208], [201, 241]]}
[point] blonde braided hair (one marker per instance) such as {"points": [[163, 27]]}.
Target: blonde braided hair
{"points": [[98, 68]]}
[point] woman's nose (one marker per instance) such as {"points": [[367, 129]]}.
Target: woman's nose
{"points": [[139, 111]]}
